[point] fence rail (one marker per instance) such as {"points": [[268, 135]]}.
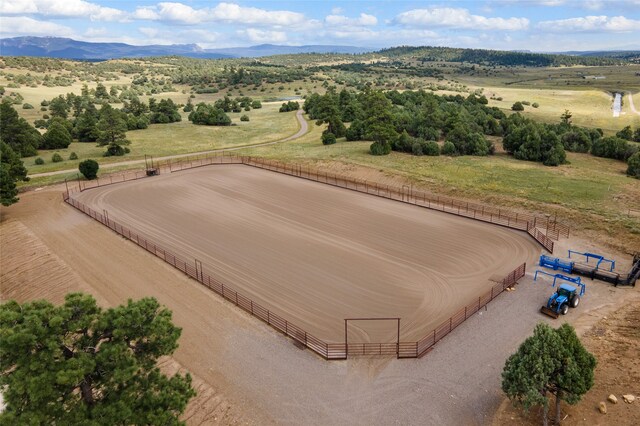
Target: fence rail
{"points": [[330, 351], [520, 221]]}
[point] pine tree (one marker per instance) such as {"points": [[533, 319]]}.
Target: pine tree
{"points": [[549, 362], [56, 137], [11, 170], [79, 364], [111, 127]]}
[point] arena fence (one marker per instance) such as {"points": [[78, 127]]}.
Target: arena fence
{"points": [[330, 351], [532, 224]]}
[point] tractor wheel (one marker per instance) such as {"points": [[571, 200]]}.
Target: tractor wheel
{"points": [[564, 309], [575, 301]]}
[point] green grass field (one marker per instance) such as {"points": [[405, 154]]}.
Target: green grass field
{"points": [[266, 125]]}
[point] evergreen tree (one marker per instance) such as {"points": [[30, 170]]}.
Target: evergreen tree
{"points": [[165, 112], [59, 107], [89, 169], [79, 364], [12, 170], [549, 362], [101, 92], [626, 133], [56, 137], [86, 126], [16, 132], [633, 165], [111, 127], [209, 115]]}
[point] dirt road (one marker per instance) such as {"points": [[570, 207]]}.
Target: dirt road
{"points": [[247, 372], [304, 127], [632, 106]]}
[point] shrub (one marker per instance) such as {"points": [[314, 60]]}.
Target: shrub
{"points": [[73, 156], [114, 150], [633, 163], [44, 103], [535, 105], [56, 137], [416, 149], [380, 148], [289, 106], [626, 133], [431, 148], [209, 115], [612, 147], [244, 117], [517, 106], [526, 103], [89, 169], [27, 106], [43, 108], [39, 161], [576, 141], [449, 149], [328, 138], [56, 158]]}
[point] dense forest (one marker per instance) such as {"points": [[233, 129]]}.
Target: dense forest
{"points": [[496, 57]]}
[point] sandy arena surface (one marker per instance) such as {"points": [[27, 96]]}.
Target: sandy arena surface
{"points": [[316, 254], [246, 372]]}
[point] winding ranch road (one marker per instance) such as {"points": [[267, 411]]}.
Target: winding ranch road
{"points": [[633, 108], [304, 127]]}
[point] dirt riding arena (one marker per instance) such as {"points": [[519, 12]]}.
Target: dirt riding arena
{"points": [[316, 254]]}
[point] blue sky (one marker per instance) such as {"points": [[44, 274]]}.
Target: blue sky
{"points": [[537, 25]]}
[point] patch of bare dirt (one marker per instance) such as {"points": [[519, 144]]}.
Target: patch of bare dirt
{"points": [[615, 342], [47, 250]]}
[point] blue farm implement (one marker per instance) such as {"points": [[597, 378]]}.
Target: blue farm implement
{"points": [[599, 259], [565, 296], [594, 271], [555, 264]]}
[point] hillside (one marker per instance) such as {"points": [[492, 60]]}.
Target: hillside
{"points": [[66, 48]]}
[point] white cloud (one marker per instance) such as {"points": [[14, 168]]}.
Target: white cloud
{"points": [[62, 9], [232, 13], [255, 35], [363, 20], [149, 32], [337, 11], [457, 18], [18, 7], [600, 23], [96, 32], [21, 26], [146, 14], [379, 38]]}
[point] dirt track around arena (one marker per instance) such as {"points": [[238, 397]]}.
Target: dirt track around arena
{"points": [[316, 254], [246, 372]]}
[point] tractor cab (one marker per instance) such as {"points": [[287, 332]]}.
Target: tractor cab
{"points": [[566, 292], [566, 295]]}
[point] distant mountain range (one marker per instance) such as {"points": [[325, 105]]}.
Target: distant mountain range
{"points": [[57, 47]]}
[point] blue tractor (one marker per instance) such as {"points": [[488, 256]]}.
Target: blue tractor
{"points": [[566, 295]]}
